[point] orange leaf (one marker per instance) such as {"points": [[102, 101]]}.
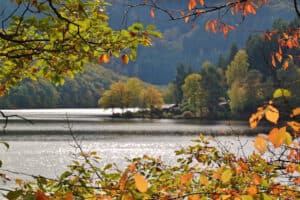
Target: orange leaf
{"points": [[294, 125], [140, 183], [201, 2], [277, 136], [272, 114], [286, 36], [194, 197], [186, 178], [295, 112], [123, 180], [257, 179], [252, 190], [152, 13], [131, 168], [104, 58], [260, 144], [278, 56], [289, 43], [69, 196], [125, 59], [192, 4], [273, 61], [250, 9], [285, 65]]}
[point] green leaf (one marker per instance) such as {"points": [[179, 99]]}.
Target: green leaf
{"points": [[14, 195], [280, 92], [266, 197]]}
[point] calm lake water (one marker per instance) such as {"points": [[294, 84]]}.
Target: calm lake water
{"points": [[46, 146]]}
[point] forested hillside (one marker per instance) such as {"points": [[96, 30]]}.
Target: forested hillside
{"points": [[83, 91], [183, 45]]}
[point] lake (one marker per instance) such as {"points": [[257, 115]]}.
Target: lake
{"points": [[46, 146]]}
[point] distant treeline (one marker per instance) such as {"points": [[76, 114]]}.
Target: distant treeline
{"points": [[82, 91]]}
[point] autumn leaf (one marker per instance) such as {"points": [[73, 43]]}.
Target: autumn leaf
{"points": [[288, 138], [123, 180], [192, 4], [203, 180], [40, 195], [194, 197], [273, 61], [277, 136], [69, 196], [186, 178], [281, 92], [125, 59], [294, 125], [140, 183], [272, 114], [252, 190], [186, 19], [152, 13], [226, 176], [285, 65], [201, 2], [278, 56], [295, 112], [260, 144], [289, 43], [131, 168]]}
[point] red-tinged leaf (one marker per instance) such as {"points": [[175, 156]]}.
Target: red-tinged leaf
{"points": [[260, 144], [192, 4], [40, 195], [140, 183], [123, 180], [69, 196], [152, 13]]}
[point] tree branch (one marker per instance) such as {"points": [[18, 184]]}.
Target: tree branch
{"points": [[296, 8]]}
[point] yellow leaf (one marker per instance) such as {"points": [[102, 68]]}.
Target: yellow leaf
{"points": [[260, 144], [277, 136], [296, 112], [281, 92], [226, 176], [186, 178], [203, 180], [288, 138], [272, 114], [140, 183]]}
